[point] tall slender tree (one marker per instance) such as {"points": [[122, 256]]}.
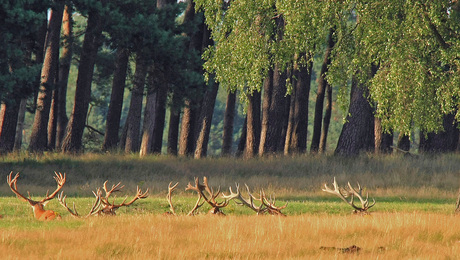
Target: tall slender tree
{"points": [[116, 100], [38, 138], [322, 88], [72, 141]]}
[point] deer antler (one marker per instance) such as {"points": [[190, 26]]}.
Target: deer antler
{"points": [[242, 201], [12, 182], [95, 209], [169, 197], [110, 208], [60, 180], [270, 204], [211, 200], [266, 206], [353, 192], [358, 193]]}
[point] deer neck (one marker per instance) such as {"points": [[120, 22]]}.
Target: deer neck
{"points": [[38, 210]]}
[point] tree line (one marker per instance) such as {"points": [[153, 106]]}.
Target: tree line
{"points": [[395, 65]]}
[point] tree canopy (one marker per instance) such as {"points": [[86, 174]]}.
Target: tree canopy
{"points": [[413, 43]]}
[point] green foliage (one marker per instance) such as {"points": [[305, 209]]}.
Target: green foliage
{"points": [[415, 46], [19, 23], [413, 43]]}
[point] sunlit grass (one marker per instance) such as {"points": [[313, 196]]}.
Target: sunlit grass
{"points": [[413, 217], [151, 236]]}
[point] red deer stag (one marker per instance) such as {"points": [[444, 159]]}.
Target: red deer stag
{"points": [[37, 206]]}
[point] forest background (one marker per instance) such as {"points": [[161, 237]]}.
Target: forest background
{"points": [[247, 78]]}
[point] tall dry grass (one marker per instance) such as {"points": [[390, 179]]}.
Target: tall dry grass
{"points": [[381, 236]]}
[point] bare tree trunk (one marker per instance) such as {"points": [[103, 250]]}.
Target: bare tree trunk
{"points": [[273, 123], [229, 118], [64, 70], [187, 132], [38, 137], [253, 125], [160, 115], [20, 125], [205, 120], [243, 137], [298, 139], [149, 115], [326, 120], [173, 129], [52, 122], [133, 121], [383, 141], [10, 112], [266, 103], [358, 131], [72, 141], [322, 87], [112, 126]]}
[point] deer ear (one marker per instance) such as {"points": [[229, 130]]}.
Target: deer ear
{"points": [[44, 203]]}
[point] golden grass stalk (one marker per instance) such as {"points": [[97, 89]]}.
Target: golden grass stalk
{"points": [[382, 235]]}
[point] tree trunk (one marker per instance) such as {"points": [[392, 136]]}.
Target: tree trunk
{"points": [[383, 141], [298, 139], [243, 137], [173, 129], [161, 97], [160, 115], [187, 139], [133, 121], [149, 115], [266, 102], [253, 125], [187, 132], [9, 112], [358, 131], [404, 142], [20, 125], [64, 70], [112, 126], [273, 124], [72, 141], [229, 118], [52, 122], [322, 86], [326, 120], [38, 137], [205, 120], [444, 141]]}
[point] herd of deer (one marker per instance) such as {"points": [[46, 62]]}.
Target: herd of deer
{"points": [[260, 204]]}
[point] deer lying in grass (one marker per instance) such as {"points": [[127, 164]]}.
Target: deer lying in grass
{"points": [[39, 212], [102, 205], [204, 192], [352, 192], [267, 206]]}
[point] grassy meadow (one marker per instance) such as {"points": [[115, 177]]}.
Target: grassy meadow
{"points": [[413, 218]]}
